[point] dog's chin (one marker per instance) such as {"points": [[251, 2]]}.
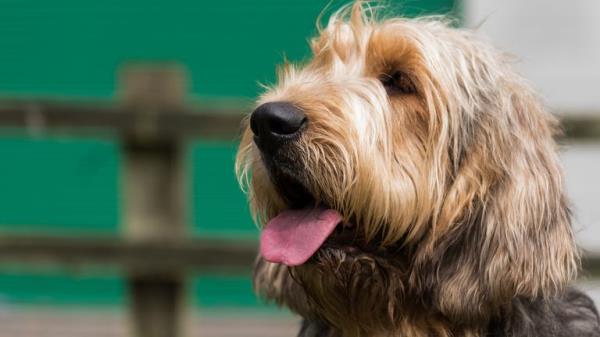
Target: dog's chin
{"points": [[347, 241], [344, 284]]}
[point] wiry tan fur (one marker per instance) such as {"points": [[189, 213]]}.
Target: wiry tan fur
{"points": [[463, 176]]}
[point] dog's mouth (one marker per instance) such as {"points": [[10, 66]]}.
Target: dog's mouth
{"points": [[296, 234]]}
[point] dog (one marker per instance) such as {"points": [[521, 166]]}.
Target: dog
{"points": [[407, 184]]}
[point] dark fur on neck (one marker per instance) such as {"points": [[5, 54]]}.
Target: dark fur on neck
{"points": [[366, 296]]}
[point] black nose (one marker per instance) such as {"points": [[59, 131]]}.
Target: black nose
{"points": [[275, 122]]}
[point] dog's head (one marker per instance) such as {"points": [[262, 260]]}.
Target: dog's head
{"points": [[405, 165]]}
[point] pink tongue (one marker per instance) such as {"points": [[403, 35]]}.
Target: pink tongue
{"points": [[294, 236]]}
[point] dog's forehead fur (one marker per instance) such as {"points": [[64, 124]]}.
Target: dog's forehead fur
{"points": [[462, 173]]}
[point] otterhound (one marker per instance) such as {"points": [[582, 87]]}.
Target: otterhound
{"points": [[407, 184]]}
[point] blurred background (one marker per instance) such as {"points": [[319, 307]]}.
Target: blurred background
{"points": [[121, 116]]}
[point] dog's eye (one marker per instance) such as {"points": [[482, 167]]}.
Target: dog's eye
{"points": [[397, 83]]}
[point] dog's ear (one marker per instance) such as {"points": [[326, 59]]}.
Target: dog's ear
{"points": [[509, 233]]}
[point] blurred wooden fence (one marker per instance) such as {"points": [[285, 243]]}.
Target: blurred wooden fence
{"points": [[154, 124]]}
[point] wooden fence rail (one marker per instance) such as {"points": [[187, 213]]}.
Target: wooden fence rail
{"points": [[142, 256], [113, 118], [97, 118], [153, 122], [149, 256]]}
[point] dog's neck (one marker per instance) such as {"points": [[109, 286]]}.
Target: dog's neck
{"points": [[353, 310], [334, 309]]}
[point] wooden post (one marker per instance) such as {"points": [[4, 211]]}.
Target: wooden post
{"points": [[154, 194]]}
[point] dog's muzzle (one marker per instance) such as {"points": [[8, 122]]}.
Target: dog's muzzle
{"points": [[275, 124], [276, 127]]}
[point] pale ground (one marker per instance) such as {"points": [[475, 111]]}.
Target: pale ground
{"points": [[112, 323]]}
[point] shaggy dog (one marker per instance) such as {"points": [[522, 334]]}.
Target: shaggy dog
{"points": [[407, 183]]}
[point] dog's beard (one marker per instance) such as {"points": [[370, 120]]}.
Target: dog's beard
{"points": [[353, 286], [341, 286]]}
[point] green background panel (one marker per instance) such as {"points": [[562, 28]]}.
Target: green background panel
{"points": [[220, 208], [72, 49], [60, 288], [71, 185], [55, 287], [58, 184], [226, 292]]}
